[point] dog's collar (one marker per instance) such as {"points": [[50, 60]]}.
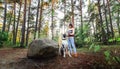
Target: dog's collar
{"points": [[63, 39]]}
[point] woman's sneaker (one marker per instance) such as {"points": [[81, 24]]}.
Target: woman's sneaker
{"points": [[75, 55]]}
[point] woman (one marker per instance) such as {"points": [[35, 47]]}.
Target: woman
{"points": [[71, 43]]}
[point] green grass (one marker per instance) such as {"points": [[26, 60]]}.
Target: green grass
{"points": [[83, 49], [103, 47]]}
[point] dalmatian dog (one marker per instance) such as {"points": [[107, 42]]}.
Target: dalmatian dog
{"points": [[63, 48]]}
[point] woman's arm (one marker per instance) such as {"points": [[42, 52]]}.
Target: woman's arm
{"points": [[72, 31]]}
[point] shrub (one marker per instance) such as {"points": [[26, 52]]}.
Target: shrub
{"points": [[3, 37], [82, 37], [94, 47], [118, 39], [114, 40]]}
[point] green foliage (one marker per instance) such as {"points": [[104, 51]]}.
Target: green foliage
{"points": [[107, 55], [78, 40], [53, 12], [91, 46], [56, 38], [118, 39], [1, 1], [8, 44], [67, 17], [116, 59], [115, 7], [82, 37], [95, 48], [111, 40], [111, 58], [89, 40], [91, 8], [3, 37], [50, 0], [62, 0]]}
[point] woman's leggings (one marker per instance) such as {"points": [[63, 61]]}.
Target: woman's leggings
{"points": [[71, 45]]}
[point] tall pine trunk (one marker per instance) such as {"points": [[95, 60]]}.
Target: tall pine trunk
{"points": [[10, 21], [14, 35], [18, 20], [105, 13], [52, 27], [64, 13], [23, 25], [111, 26], [93, 27], [40, 20], [5, 12], [118, 21], [81, 19], [72, 8], [101, 24], [27, 32], [36, 24]]}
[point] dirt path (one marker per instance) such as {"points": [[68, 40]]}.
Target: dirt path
{"points": [[16, 59], [9, 56]]}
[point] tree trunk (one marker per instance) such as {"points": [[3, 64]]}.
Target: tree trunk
{"points": [[111, 26], [81, 18], [118, 22], [106, 19], [36, 24], [5, 12], [93, 27], [18, 20], [40, 20], [72, 11], [14, 35], [64, 13], [101, 23], [27, 33], [23, 25], [10, 21], [52, 27]]}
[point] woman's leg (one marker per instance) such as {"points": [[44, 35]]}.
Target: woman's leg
{"points": [[73, 44], [69, 45]]}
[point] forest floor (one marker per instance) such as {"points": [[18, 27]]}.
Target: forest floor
{"points": [[16, 58]]}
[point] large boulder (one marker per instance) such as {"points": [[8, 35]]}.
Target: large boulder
{"points": [[42, 48]]}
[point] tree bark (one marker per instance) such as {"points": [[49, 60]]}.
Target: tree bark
{"points": [[52, 27], [72, 11], [10, 21], [64, 13], [81, 19], [40, 20], [118, 21], [101, 23], [23, 25], [106, 19], [81, 15], [27, 32], [111, 26], [5, 12], [36, 24], [18, 20], [14, 34]]}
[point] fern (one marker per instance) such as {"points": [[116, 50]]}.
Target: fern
{"points": [[97, 48], [91, 46], [116, 59], [107, 55]]}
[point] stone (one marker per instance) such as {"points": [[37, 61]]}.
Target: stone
{"points": [[42, 48]]}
